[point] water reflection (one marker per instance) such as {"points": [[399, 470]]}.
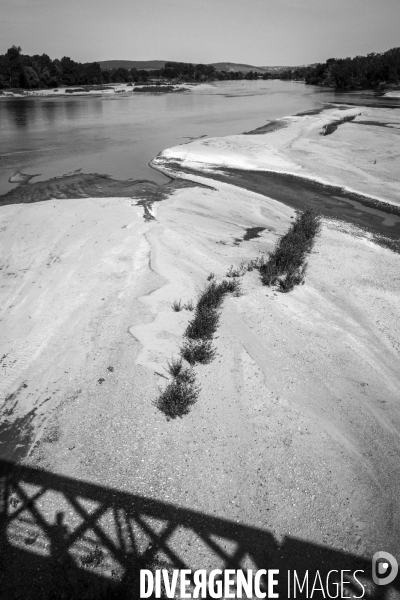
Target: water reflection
{"points": [[72, 109], [19, 113], [49, 111]]}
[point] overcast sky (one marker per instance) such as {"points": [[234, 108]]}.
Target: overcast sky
{"points": [[258, 32]]}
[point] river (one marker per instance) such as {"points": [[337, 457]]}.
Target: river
{"points": [[119, 134]]}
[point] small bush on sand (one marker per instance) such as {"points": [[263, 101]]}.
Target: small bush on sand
{"points": [[189, 305], [233, 286], [198, 351], [177, 398], [177, 306], [181, 393], [177, 369], [257, 263], [204, 324], [232, 272], [211, 276], [291, 279], [237, 271], [212, 296]]}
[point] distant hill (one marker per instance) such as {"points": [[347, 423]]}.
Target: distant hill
{"points": [[132, 64], [228, 66], [158, 64]]}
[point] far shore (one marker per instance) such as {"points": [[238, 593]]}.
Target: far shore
{"points": [[98, 90]]}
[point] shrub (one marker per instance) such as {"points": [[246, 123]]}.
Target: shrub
{"points": [[178, 371], [175, 367], [206, 319], [285, 265], [177, 306], [204, 324], [212, 296], [211, 276], [177, 398], [256, 263], [198, 351], [333, 125], [233, 286], [291, 279], [189, 305], [237, 271]]}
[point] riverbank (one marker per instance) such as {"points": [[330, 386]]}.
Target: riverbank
{"points": [[294, 440], [96, 90]]}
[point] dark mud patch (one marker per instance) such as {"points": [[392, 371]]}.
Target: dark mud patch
{"points": [[94, 185], [198, 137], [16, 437], [378, 218], [370, 104], [16, 433], [313, 111], [252, 232], [268, 128]]}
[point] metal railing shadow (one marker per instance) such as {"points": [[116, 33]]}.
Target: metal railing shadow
{"points": [[68, 539]]}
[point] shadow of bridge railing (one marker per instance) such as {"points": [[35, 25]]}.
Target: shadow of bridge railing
{"points": [[62, 538]]}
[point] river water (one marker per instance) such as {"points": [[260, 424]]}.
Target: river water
{"points": [[119, 134]]}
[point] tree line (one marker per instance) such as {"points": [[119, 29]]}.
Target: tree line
{"points": [[372, 71], [19, 70]]}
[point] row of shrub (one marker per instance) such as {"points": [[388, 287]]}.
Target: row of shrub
{"points": [[285, 267], [182, 391], [333, 125]]}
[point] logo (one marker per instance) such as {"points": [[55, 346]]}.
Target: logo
{"points": [[384, 568]]}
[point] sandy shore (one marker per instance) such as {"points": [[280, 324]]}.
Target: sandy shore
{"points": [[296, 431], [92, 90], [361, 155]]}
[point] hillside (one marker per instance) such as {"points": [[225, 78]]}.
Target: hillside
{"points": [[228, 66], [159, 64], [132, 64]]}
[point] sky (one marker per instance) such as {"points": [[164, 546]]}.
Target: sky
{"points": [[256, 32]]}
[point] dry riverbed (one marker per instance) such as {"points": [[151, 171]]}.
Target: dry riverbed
{"points": [[295, 437]]}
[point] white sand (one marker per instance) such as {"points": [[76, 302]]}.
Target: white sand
{"points": [[297, 427], [78, 90], [358, 157]]}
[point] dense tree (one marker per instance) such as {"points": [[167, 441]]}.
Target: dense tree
{"points": [[371, 71], [20, 70]]}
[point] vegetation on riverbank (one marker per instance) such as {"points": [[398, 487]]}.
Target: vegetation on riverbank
{"points": [[376, 70], [333, 125], [286, 264], [180, 393], [285, 267], [21, 71]]}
